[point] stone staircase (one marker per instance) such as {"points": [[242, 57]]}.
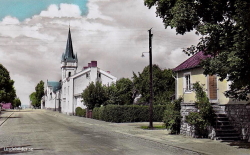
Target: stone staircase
{"points": [[223, 128]]}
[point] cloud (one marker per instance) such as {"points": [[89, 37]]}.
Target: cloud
{"points": [[115, 33], [8, 20], [64, 10], [95, 13]]}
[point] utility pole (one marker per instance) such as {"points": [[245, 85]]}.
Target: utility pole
{"points": [[151, 82]]}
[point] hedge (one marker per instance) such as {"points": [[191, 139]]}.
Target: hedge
{"points": [[80, 112], [128, 113]]}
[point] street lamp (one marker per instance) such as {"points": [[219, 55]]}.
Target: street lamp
{"points": [[151, 80]]}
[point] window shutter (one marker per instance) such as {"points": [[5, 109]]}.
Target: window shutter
{"points": [[212, 87]]}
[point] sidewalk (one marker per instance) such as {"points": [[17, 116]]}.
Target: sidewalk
{"points": [[203, 146]]}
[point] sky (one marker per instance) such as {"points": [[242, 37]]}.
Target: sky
{"points": [[33, 36]]}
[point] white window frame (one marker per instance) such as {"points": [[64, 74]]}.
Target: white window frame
{"points": [[185, 83]]}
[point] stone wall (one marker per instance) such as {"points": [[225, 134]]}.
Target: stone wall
{"points": [[239, 116], [187, 129]]}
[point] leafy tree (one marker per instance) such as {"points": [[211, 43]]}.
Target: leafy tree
{"points": [[121, 92], [7, 90], [16, 102], [33, 99], [94, 95], [39, 93], [163, 85], [224, 27], [112, 94]]}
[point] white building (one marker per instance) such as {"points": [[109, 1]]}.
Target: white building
{"points": [[65, 95]]}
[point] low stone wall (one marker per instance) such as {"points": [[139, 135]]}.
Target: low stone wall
{"points": [[239, 116], [187, 129]]}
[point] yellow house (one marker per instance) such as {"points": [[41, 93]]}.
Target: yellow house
{"points": [[233, 117], [190, 72]]}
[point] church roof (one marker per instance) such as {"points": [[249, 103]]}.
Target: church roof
{"points": [[192, 62], [55, 85], [69, 55]]}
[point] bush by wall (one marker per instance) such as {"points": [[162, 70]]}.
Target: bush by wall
{"points": [[128, 113], [205, 116], [172, 116], [80, 112]]}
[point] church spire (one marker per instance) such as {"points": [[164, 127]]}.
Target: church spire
{"points": [[69, 53]]}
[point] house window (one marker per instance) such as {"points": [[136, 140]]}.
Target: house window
{"points": [[187, 82], [69, 74], [87, 75]]}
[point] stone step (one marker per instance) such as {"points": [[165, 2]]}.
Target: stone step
{"points": [[229, 138], [222, 123], [222, 119], [224, 127], [225, 134]]}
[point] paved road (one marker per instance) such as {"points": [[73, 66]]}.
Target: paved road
{"points": [[42, 132]]}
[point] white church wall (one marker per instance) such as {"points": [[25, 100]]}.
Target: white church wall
{"points": [[81, 82]]}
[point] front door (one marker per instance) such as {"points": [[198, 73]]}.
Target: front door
{"points": [[212, 87]]}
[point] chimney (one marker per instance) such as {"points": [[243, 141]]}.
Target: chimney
{"points": [[93, 63], [85, 68], [89, 64]]}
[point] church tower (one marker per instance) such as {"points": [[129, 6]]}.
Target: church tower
{"points": [[69, 62]]}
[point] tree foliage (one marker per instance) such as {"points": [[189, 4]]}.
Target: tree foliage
{"points": [[121, 93], [94, 95], [163, 85], [33, 99], [36, 96], [224, 26], [205, 116], [7, 90], [16, 102]]}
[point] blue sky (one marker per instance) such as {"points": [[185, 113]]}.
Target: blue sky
{"points": [[23, 9]]}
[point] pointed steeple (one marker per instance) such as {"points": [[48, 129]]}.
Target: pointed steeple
{"points": [[69, 53]]}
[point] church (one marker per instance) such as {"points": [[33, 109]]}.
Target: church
{"points": [[64, 96]]}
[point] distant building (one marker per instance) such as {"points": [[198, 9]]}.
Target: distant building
{"points": [[6, 105], [65, 95]]}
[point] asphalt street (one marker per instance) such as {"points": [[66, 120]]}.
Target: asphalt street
{"points": [[42, 132]]}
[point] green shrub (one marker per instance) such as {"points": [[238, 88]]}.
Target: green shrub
{"points": [[128, 113], [172, 116], [205, 116], [80, 112]]}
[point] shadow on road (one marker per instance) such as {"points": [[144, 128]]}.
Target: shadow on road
{"points": [[9, 117], [240, 144], [17, 111]]}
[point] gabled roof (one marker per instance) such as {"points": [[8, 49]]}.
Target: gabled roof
{"points": [[192, 62], [55, 85], [69, 55]]}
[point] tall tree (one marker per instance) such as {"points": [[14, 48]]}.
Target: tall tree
{"points": [[39, 92], [16, 102], [163, 85], [125, 91], [121, 92], [7, 90], [33, 99], [224, 26], [94, 95]]}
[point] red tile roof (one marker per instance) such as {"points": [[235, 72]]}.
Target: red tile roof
{"points": [[192, 62]]}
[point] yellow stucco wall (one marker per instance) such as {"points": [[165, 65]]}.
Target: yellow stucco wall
{"points": [[197, 75]]}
